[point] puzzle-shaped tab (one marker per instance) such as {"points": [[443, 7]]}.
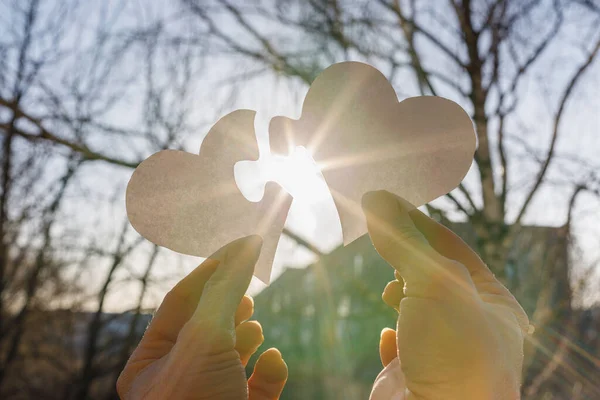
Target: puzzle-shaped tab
{"points": [[356, 130], [363, 139], [191, 203]]}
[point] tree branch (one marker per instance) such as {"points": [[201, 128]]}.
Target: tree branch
{"points": [[94, 156], [46, 135], [279, 64], [557, 119], [395, 8], [309, 246], [478, 96], [451, 197], [503, 164], [522, 69]]}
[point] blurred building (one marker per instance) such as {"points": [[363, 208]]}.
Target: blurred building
{"points": [[326, 319], [54, 349]]}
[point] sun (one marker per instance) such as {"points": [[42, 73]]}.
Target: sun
{"points": [[299, 175]]}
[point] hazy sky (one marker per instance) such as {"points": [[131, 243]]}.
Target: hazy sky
{"points": [[313, 215]]}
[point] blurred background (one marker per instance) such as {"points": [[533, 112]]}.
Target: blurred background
{"points": [[90, 89]]}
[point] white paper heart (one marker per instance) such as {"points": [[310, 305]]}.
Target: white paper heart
{"points": [[364, 140], [356, 130], [191, 203]]}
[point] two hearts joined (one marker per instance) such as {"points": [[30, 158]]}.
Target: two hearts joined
{"points": [[356, 130]]}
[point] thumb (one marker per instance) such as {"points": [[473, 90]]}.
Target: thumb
{"points": [[400, 243], [388, 346], [269, 377], [222, 294]]}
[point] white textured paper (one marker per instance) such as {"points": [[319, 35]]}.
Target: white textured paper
{"points": [[355, 129], [364, 140], [191, 203]]}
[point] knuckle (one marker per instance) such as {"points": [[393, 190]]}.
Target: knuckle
{"points": [[175, 298], [386, 247], [250, 328], [408, 233], [213, 332], [121, 385]]}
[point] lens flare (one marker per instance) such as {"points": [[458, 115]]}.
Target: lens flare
{"points": [[299, 175]]}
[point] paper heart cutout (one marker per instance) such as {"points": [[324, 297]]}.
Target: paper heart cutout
{"points": [[364, 140], [356, 130], [191, 203]]}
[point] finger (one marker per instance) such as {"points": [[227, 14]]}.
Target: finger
{"points": [[269, 377], [244, 310], [392, 294], [411, 244], [400, 243], [225, 289], [178, 306], [388, 348], [448, 244], [248, 338], [175, 310]]}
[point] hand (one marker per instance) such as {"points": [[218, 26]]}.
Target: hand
{"points": [[460, 332], [199, 341]]}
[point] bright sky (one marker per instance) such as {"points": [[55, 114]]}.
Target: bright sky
{"points": [[312, 215]]}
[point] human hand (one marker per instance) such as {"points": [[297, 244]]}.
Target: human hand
{"points": [[460, 332], [199, 340]]}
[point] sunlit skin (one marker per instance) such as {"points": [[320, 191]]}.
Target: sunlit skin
{"points": [[200, 339], [460, 332], [448, 246]]}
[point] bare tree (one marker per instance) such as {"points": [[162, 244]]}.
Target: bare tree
{"points": [[89, 90], [482, 63], [70, 74], [486, 55], [61, 83]]}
